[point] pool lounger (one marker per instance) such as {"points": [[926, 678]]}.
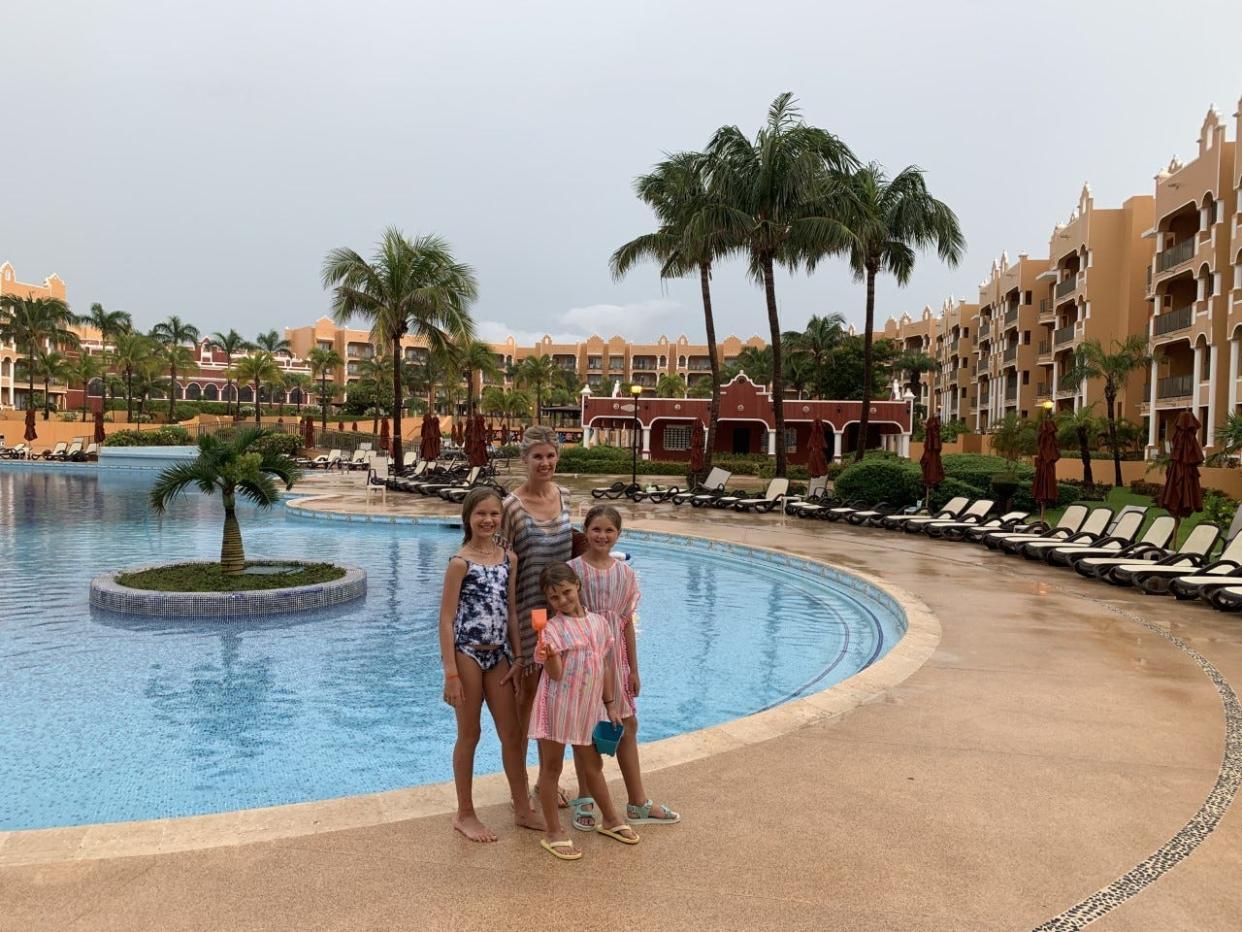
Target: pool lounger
{"points": [[1120, 533], [1070, 523], [1154, 540]]}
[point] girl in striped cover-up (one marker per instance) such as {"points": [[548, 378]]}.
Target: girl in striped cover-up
{"points": [[576, 691]]}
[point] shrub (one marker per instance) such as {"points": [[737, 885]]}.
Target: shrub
{"points": [[187, 410], [287, 444], [1066, 495], [977, 470], [170, 435], [1142, 487], [1218, 508], [898, 482], [951, 488], [835, 470], [69, 416]]}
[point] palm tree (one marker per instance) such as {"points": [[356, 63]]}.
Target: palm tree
{"points": [[889, 219], [1081, 427], [672, 385], [1114, 366], [756, 362], [770, 201], [35, 325], [493, 399], [273, 343], [816, 344], [238, 465], [230, 344], [410, 287], [148, 378], [374, 371], [176, 358], [517, 404], [108, 323], [913, 364], [130, 352], [174, 333], [536, 373], [302, 384], [53, 367], [677, 191], [475, 357], [258, 368], [322, 361], [85, 369]]}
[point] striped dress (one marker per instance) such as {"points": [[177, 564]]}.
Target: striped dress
{"points": [[614, 594], [567, 710], [536, 543]]}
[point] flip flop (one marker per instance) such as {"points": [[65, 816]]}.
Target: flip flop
{"points": [[615, 834], [579, 806], [640, 815], [552, 846]]}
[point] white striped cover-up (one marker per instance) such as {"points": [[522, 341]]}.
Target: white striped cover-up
{"points": [[567, 710]]}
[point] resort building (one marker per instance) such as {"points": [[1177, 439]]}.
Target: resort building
{"points": [[953, 349], [1007, 344], [13, 394]]}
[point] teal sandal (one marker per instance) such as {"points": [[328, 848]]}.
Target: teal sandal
{"points": [[584, 808], [641, 815]]}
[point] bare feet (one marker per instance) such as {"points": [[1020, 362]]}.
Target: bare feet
{"points": [[529, 819], [472, 828]]}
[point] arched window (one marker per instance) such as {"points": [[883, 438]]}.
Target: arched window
{"points": [[295, 397], [228, 393], [178, 391], [246, 395], [211, 393], [681, 362], [193, 391], [95, 387]]}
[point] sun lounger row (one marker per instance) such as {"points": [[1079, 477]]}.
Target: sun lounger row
{"points": [[714, 492], [78, 450]]}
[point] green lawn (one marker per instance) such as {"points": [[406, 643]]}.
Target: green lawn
{"points": [[1121, 496], [207, 577]]}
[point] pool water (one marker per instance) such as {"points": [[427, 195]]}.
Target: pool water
{"points": [[112, 718]]}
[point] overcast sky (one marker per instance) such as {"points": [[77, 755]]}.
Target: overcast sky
{"points": [[202, 162]]}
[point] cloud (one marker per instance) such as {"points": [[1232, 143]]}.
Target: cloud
{"points": [[639, 322]]}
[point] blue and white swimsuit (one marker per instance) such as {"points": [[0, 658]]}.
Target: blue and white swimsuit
{"points": [[481, 628]]}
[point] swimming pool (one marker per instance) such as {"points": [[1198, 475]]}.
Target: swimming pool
{"points": [[112, 718]]}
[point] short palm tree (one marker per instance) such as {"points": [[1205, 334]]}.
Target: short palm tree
{"points": [[236, 466], [375, 371], [130, 353], [912, 365], [301, 383], [677, 191], [537, 373], [671, 385], [273, 343], [493, 400], [816, 343], [1081, 428], [323, 362], [889, 221], [475, 359], [230, 344], [259, 368], [517, 405], [769, 200], [1114, 366], [83, 370], [53, 367], [409, 287], [36, 325], [173, 334]]}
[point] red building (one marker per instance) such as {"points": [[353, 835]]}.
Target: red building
{"points": [[747, 423]]}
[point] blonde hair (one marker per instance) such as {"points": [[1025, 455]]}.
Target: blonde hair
{"points": [[537, 435], [602, 511], [472, 501]]}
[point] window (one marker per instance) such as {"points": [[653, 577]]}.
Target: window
{"points": [[1026, 377], [595, 362], [791, 440], [1026, 338], [616, 363], [677, 437]]}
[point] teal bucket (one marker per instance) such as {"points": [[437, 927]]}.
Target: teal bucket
{"points": [[606, 737]]}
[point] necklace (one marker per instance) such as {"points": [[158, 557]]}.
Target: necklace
{"points": [[488, 553]]}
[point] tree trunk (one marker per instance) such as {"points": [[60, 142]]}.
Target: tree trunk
{"points": [[713, 360], [397, 453], [864, 419], [258, 405], [47, 398], [172, 395], [778, 377], [129, 394], [1084, 452], [323, 401], [232, 551], [1110, 399]]}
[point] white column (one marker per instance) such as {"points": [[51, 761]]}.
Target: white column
{"points": [[646, 443], [1151, 409], [1214, 360], [1233, 375], [903, 448], [1197, 371], [771, 443], [836, 446], [586, 438]]}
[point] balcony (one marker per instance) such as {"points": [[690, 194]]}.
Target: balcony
{"points": [[1174, 386], [1064, 335], [1043, 390], [1045, 347], [1174, 320], [699, 365], [985, 328], [1067, 287], [1011, 394], [1011, 317], [1176, 254], [645, 363], [984, 398], [1010, 354], [981, 366], [1066, 386], [953, 347]]}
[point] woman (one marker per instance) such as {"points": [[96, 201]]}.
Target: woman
{"points": [[535, 520]]}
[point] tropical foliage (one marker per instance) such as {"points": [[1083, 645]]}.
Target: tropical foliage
{"points": [[1113, 366]]}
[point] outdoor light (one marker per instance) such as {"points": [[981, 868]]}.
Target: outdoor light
{"points": [[1048, 406]]}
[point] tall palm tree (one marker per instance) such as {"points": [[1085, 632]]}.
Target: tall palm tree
{"points": [[816, 343], [538, 373], [323, 361], [258, 368], [912, 365], [85, 369], [410, 287], [174, 333], [677, 191], [375, 371], [230, 344], [517, 404], [476, 358], [671, 385], [273, 343], [1080, 427], [34, 325], [1114, 366], [175, 358], [234, 466], [148, 379], [108, 323], [302, 384], [889, 220], [130, 352], [53, 367], [771, 201]]}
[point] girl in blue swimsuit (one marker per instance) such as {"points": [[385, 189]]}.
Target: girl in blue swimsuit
{"points": [[481, 651]]}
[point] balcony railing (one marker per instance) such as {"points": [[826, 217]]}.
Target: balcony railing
{"points": [[981, 366], [1067, 286], [697, 365], [1066, 384], [1011, 317], [1176, 254], [1011, 353], [1042, 390], [646, 363], [985, 328], [1064, 335], [1043, 305], [1175, 386], [1045, 347], [1178, 319], [1011, 394], [984, 398]]}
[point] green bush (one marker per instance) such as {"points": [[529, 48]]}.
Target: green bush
{"points": [[287, 444], [835, 470], [1218, 508], [171, 435], [896, 481], [1022, 501], [187, 410], [69, 416], [977, 470], [1141, 487], [951, 488]]}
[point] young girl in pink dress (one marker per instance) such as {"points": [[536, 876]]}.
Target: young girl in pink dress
{"points": [[610, 587], [576, 692]]}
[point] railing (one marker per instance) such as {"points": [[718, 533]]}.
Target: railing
{"points": [[1149, 279], [1042, 390], [1178, 319], [646, 363], [1066, 384], [1045, 347], [953, 346], [1176, 254], [980, 366], [984, 397], [1067, 286], [1011, 317], [1043, 305], [1011, 353], [699, 366], [1175, 386], [1011, 394], [1064, 335], [985, 328]]}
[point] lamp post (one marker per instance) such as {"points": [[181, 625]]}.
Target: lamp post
{"points": [[635, 392]]}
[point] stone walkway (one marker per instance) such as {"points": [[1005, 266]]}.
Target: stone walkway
{"points": [[1055, 740]]}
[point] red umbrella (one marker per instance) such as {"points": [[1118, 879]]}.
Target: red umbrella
{"points": [[696, 450], [476, 444], [429, 446], [817, 465], [100, 434], [308, 433], [1182, 495], [354, 428], [31, 433], [933, 468], [385, 437], [340, 425], [456, 433], [1044, 488]]}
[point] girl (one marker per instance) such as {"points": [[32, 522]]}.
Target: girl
{"points": [[481, 653], [575, 691], [610, 587]]}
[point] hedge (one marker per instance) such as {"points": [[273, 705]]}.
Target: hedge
{"points": [[898, 482], [171, 435]]}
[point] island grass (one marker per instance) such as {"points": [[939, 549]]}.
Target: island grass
{"points": [[207, 577]]}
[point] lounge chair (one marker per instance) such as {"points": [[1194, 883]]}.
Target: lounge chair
{"points": [[956, 530], [409, 483], [842, 510], [74, 448], [377, 478], [1192, 553], [951, 511], [614, 491], [771, 498], [56, 451], [19, 452], [439, 488], [1155, 578], [655, 493], [361, 457], [711, 487], [974, 513], [1070, 523], [1154, 540], [1228, 599], [814, 491], [1096, 523], [90, 452], [326, 460], [812, 507], [1120, 533]]}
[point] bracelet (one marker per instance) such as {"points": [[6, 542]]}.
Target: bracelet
{"points": [[607, 701], [451, 676]]}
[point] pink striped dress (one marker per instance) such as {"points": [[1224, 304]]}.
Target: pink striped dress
{"points": [[567, 710], [614, 594]]}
